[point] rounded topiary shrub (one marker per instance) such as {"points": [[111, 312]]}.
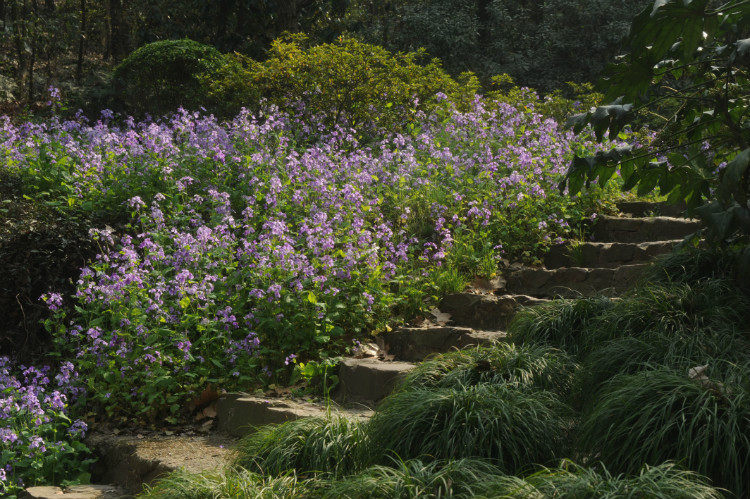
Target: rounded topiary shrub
{"points": [[162, 76]]}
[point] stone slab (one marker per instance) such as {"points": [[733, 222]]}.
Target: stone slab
{"points": [[414, 344], [239, 413], [609, 255], [131, 461], [75, 492], [485, 311], [574, 282], [649, 208], [365, 382], [638, 230]]}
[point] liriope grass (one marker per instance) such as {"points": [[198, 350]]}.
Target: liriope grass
{"points": [[628, 355], [510, 426], [536, 366], [663, 414], [569, 481], [564, 324], [693, 265], [333, 445], [416, 479], [677, 310], [229, 483]]}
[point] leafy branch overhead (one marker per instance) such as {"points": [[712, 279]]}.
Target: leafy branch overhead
{"points": [[685, 76]]}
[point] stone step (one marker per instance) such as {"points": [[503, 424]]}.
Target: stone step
{"points": [[132, 461], [413, 344], [606, 254], [487, 312], [76, 492], [365, 382], [639, 230], [574, 282], [650, 208], [238, 414]]}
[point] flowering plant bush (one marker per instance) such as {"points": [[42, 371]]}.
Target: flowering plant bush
{"points": [[267, 237], [39, 442]]}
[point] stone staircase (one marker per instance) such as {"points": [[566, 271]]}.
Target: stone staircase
{"points": [[608, 264]]}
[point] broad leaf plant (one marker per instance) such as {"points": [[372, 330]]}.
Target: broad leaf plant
{"points": [[686, 72]]}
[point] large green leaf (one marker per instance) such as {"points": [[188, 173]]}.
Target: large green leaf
{"points": [[733, 185]]}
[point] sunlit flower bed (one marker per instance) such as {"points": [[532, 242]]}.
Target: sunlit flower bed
{"points": [[267, 239]]}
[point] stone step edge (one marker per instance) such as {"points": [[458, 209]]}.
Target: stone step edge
{"points": [[131, 461], [238, 414], [607, 255], [367, 381], [414, 344], [571, 282]]}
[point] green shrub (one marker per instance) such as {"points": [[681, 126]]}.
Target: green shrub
{"points": [[696, 264], [415, 479], [333, 444], [570, 481], [229, 483], [564, 324], [536, 366], [162, 76], [662, 414], [346, 81], [628, 355], [681, 311], [511, 427]]}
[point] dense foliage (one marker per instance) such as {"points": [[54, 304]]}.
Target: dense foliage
{"points": [[39, 442], [541, 44], [75, 45], [262, 241], [163, 76], [687, 67], [346, 81]]}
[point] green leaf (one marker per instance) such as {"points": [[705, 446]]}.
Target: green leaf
{"points": [[731, 185]]}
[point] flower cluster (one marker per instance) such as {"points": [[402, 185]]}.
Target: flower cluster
{"points": [[39, 444], [266, 237]]}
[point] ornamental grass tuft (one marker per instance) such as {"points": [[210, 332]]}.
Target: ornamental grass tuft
{"points": [[570, 481], [535, 366], [700, 421], [331, 445], [511, 427], [565, 324], [415, 479], [229, 483]]}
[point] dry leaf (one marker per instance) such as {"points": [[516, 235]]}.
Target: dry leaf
{"points": [[480, 285], [439, 317]]}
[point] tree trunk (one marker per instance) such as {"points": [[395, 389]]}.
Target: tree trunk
{"points": [[32, 57], [81, 43], [119, 39], [484, 24], [287, 15]]}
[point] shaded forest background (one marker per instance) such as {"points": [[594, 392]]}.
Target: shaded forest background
{"points": [[75, 44]]}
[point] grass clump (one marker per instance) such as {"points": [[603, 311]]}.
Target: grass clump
{"points": [[565, 324], [229, 483], [536, 366], [695, 264], [509, 426], [331, 445], [414, 479], [663, 414], [678, 310], [570, 481]]}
